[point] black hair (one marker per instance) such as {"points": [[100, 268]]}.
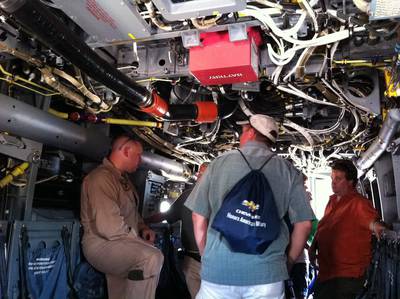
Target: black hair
{"points": [[347, 167]]}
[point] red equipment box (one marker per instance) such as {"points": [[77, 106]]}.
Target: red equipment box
{"points": [[219, 61]]}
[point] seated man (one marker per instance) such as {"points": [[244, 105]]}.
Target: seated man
{"points": [[116, 241]]}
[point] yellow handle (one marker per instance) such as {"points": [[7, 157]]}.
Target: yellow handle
{"points": [[17, 171]]}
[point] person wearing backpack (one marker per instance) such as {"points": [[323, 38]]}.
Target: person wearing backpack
{"points": [[237, 211]]}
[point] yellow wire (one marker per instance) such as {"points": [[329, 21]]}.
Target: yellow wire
{"points": [[28, 88], [18, 78], [59, 114], [131, 122], [345, 61], [13, 80]]}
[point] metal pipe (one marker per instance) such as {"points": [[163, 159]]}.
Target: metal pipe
{"points": [[59, 114], [24, 120], [170, 167], [389, 128], [131, 122]]}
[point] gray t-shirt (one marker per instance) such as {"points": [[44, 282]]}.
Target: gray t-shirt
{"points": [[219, 264]]}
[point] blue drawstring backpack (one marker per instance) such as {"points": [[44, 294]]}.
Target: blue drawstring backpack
{"points": [[248, 218]]}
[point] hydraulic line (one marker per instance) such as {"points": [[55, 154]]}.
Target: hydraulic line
{"points": [[36, 88], [52, 81], [131, 122], [49, 78], [17, 171], [82, 88], [59, 114]]}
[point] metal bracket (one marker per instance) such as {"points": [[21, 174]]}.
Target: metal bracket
{"points": [[21, 148], [190, 38], [394, 146], [237, 32], [370, 103]]}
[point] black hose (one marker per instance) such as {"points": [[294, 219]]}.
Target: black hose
{"points": [[227, 108], [370, 27], [182, 112]]}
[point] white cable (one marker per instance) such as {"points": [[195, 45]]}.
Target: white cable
{"points": [[336, 85], [244, 108], [319, 41], [289, 54], [362, 5], [169, 56], [135, 51], [333, 13], [299, 60], [311, 13], [265, 18], [279, 43], [357, 121], [297, 92], [284, 58], [307, 136], [349, 141], [153, 16], [272, 53], [327, 84], [324, 62], [276, 74], [332, 128], [270, 4], [276, 61], [47, 179]]}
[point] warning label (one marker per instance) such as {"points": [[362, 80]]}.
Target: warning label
{"points": [[99, 13]]}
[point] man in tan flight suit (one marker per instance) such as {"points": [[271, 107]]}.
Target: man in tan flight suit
{"points": [[116, 241]]}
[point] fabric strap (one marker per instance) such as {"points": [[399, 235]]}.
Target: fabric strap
{"points": [[66, 240], [248, 164]]}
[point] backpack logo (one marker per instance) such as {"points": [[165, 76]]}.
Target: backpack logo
{"points": [[251, 205]]}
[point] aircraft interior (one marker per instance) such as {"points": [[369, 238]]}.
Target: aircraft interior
{"points": [[178, 75]]}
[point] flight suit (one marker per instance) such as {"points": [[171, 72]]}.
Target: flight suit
{"points": [[111, 241]]}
